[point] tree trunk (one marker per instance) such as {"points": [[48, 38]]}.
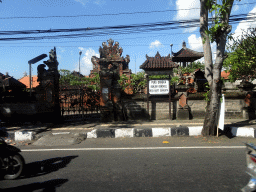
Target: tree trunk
{"points": [[213, 72]]}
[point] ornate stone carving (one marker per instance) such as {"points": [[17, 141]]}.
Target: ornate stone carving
{"points": [[110, 61]]}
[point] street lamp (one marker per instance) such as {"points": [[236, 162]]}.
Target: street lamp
{"points": [[80, 53], [171, 48]]}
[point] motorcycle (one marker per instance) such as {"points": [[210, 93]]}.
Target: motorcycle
{"points": [[11, 162], [251, 167]]}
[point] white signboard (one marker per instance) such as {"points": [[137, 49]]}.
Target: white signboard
{"points": [[159, 87], [222, 113]]}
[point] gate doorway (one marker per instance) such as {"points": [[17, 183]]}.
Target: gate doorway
{"points": [[79, 103]]}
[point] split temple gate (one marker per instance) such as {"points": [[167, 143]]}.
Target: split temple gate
{"points": [[111, 65]]}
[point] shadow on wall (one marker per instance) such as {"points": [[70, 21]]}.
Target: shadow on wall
{"points": [[133, 111]]}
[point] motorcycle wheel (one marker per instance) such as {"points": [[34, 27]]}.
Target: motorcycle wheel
{"points": [[15, 167]]}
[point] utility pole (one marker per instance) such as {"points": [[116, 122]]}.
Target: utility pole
{"points": [[135, 64], [80, 53], [171, 49]]}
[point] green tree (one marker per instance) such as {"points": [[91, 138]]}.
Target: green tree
{"points": [[189, 69], [137, 82], [69, 79], [241, 61], [218, 33]]}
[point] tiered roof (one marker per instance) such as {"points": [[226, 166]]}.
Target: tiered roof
{"points": [[186, 55], [158, 62], [163, 63]]}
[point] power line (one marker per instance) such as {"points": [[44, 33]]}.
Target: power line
{"points": [[129, 27], [110, 14], [159, 35], [117, 30]]}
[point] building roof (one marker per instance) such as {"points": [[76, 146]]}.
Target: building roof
{"points": [[186, 54], [10, 81], [25, 80], [225, 74], [158, 62]]}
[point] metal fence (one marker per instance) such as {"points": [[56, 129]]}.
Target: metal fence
{"points": [[79, 101]]}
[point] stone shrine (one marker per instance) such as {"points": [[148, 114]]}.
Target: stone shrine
{"points": [[111, 63]]}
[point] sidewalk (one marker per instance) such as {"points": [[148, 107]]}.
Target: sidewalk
{"points": [[153, 128]]}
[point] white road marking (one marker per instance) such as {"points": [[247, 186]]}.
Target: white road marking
{"points": [[152, 124], [75, 128], [134, 148], [60, 133]]}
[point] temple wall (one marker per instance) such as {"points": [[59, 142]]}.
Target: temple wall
{"points": [[158, 110]]}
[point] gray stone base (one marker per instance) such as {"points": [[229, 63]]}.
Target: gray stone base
{"points": [[183, 114]]}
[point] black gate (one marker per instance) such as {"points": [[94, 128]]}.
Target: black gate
{"points": [[79, 103]]}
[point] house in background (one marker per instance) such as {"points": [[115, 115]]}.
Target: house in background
{"points": [[25, 81], [9, 83]]}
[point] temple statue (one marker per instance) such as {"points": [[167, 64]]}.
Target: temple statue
{"points": [[48, 89]]}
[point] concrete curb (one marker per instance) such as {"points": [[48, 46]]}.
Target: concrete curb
{"points": [[21, 135], [162, 132], [148, 132]]}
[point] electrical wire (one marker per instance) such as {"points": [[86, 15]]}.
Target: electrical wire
{"points": [[156, 24], [119, 30], [110, 14]]}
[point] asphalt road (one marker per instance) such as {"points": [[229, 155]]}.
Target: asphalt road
{"points": [[135, 164]]}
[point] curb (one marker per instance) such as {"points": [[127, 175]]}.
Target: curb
{"points": [[161, 132], [21, 135], [148, 132]]}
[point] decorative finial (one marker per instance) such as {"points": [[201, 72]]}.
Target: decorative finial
{"points": [[110, 42], [184, 45]]}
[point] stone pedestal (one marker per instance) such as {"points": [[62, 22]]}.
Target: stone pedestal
{"points": [[249, 113], [183, 109], [183, 113]]}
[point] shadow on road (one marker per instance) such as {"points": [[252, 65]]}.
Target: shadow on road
{"points": [[39, 168], [49, 186]]}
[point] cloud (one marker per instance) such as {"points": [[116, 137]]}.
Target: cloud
{"points": [[155, 44], [85, 62], [97, 2], [195, 43], [235, 7], [83, 2], [61, 49], [250, 22], [81, 48], [172, 3], [100, 2], [191, 12]]}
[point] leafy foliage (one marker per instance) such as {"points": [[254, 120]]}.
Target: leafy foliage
{"points": [[219, 12], [241, 61], [137, 82], [69, 79], [189, 69]]}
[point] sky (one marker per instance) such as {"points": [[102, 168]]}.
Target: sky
{"points": [[26, 15]]}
